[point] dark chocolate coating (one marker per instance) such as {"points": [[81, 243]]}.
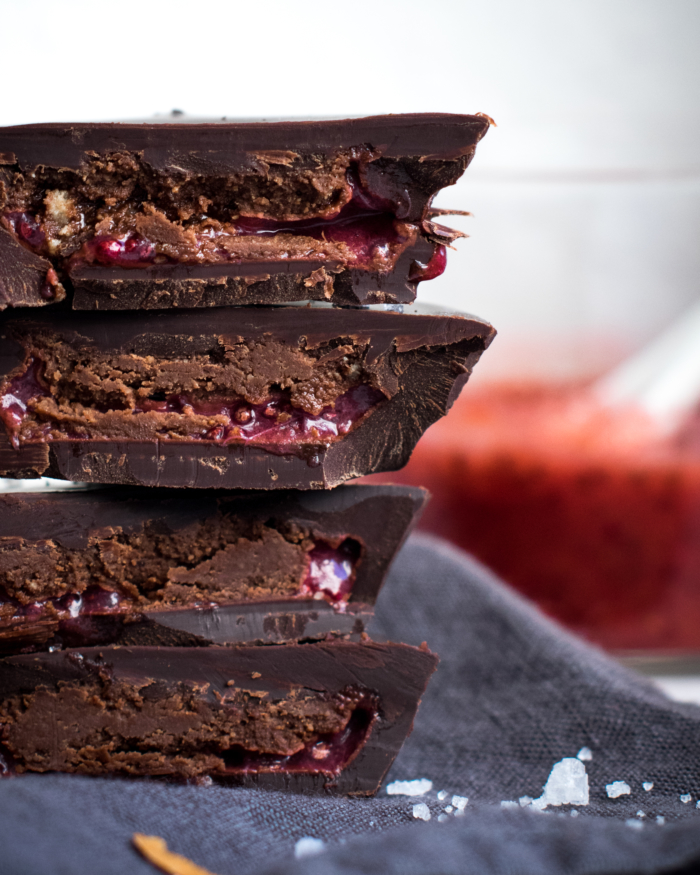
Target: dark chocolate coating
{"points": [[414, 156], [379, 518], [444, 348], [396, 673], [22, 274], [225, 147]]}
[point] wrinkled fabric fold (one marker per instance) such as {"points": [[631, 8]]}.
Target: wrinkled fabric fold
{"points": [[513, 695]]}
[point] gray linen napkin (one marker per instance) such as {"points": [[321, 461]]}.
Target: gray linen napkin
{"points": [[513, 696]]}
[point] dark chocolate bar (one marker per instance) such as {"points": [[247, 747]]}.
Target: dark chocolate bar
{"points": [[316, 717], [127, 565], [157, 215], [302, 397]]}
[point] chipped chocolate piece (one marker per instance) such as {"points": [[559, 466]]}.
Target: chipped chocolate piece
{"points": [[156, 215], [127, 565], [314, 717], [26, 279], [281, 397], [155, 850]]}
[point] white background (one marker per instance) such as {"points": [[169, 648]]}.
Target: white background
{"points": [[586, 196]]}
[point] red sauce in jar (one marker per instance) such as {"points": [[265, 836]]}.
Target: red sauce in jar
{"points": [[590, 512]]}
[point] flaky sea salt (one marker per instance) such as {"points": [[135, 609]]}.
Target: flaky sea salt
{"points": [[567, 784], [308, 847], [508, 804], [442, 794], [442, 818], [585, 754], [417, 787], [648, 785], [618, 788], [421, 811], [573, 812], [524, 801], [685, 798], [634, 824], [448, 809], [640, 813], [660, 819], [460, 802]]}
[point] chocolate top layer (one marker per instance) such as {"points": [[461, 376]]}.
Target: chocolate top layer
{"points": [[398, 670], [224, 146]]}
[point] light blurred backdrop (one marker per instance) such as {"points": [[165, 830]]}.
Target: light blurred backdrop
{"points": [[586, 197]]}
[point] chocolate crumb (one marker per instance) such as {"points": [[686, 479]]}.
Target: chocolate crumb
{"points": [[155, 850]]}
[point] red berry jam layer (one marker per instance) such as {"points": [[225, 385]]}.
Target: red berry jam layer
{"points": [[352, 228], [329, 574], [326, 754], [356, 237], [29, 412]]}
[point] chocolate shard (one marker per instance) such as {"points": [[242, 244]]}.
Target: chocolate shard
{"points": [[26, 279], [302, 397], [321, 717], [127, 565], [191, 214]]}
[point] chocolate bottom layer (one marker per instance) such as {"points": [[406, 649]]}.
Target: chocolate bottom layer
{"points": [[308, 717]]}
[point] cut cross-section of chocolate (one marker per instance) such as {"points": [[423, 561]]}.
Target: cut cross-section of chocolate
{"points": [[128, 565], [313, 717], [158, 215], [302, 397]]}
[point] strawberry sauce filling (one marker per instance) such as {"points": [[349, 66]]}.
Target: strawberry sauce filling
{"points": [[17, 395], [325, 754], [366, 229], [369, 237], [330, 575], [275, 424]]}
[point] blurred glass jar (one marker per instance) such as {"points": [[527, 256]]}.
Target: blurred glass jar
{"points": [[584, 509]]}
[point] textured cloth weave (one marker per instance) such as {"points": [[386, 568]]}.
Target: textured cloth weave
{"points": [[513, 695]]}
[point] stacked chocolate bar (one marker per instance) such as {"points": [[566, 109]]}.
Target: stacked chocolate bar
{"points": [[239, 354]]}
